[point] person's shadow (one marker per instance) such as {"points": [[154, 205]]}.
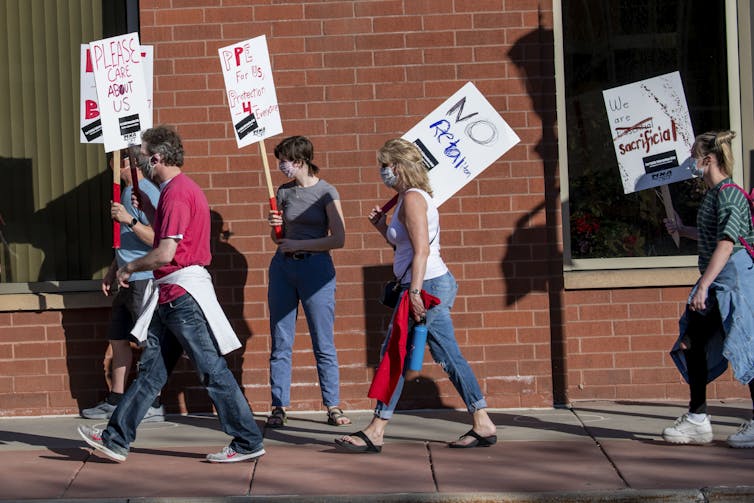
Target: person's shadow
{"points": [[183, 392], [533, 259]]}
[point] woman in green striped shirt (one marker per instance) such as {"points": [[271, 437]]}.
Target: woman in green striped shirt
{"points": [[723, 218]]}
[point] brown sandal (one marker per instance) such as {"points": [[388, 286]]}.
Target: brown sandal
{"points": [[334, 414], [277, 418]]}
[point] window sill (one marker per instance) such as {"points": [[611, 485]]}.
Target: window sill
{"points": [[53, 301], [630, 278]]}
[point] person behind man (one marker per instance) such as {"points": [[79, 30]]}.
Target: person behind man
{"points": [[182, 314], [136, 236]]}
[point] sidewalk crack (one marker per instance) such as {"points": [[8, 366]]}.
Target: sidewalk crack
{"points": [[432, 467], [75, 474], [602, 449], [253, 474]]}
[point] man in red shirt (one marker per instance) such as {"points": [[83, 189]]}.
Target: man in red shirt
{"points": [[183, 316]]}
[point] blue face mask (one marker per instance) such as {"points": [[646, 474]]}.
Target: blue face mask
{"points": [[388, 177], [288, 168], [697, 169]]}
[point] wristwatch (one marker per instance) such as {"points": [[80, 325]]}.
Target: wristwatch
{"points": [[133, 222], [415, 291]]}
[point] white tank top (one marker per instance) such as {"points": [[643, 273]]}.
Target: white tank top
{"points": [[404, 252]]}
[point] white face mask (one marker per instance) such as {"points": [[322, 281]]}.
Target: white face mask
{"points": [[288, 168], [388, 177]]}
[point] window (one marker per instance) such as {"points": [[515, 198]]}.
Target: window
{"points": [[54, 191], [609, 43]]}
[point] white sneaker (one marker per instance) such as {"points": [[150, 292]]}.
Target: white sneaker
{"points": [[154, 415], [744, 437], [93, 437], [686, 431], [228, 455]]}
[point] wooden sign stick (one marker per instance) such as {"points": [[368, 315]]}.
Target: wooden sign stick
{"points": [[670, 212], [273, 199]]}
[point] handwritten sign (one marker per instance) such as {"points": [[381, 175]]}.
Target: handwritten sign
{"points": [[91, 124], [651, 130], [118, 68], [250, 90], [460, 139]]}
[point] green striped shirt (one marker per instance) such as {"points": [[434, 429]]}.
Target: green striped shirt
{"points": [[723, 214]]}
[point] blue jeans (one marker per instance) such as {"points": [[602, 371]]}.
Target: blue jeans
{"points": [[176, 327], [443, 347], [311, 281]]}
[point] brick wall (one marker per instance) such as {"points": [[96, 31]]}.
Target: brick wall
{"points": [[350, 75]]}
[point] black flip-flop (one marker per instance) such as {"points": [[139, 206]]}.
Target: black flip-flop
{"points": [[479, 441], [368, 446]]}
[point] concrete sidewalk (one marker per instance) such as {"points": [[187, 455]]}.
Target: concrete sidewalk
{"points": [[596, 451]]}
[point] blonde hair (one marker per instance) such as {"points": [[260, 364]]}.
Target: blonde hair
{"points": [[412, 173], [717, 143]]}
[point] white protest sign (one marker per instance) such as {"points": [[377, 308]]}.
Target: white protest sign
{"points": [[460, 139], [118, 69], [651, 130], [250, 90], [91, 124]]}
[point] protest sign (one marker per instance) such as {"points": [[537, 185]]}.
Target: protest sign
{"points": [[91, 124], [252, 99], [118, 69], [651, 131], [460, 139], [250, 90]]}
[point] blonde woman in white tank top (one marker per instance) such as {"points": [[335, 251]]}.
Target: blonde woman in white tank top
{"points": [[414, 232]]}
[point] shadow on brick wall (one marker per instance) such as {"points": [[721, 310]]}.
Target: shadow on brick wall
{"points": [[229, 270], [533, 260]]}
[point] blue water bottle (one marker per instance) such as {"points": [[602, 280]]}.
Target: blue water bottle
{"points": [[416, 349]]}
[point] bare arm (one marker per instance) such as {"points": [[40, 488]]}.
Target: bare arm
{"points": [[414, 217], [336, 238], [718, 260], [154, 259], [675, 225], [379, 220], [145, 233], [109, 279]]}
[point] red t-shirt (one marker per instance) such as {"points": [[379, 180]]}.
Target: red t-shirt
{"points": [[182, 213]]}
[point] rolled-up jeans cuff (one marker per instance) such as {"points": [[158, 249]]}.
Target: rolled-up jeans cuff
{"points": [[478, 405], [383, 414]]}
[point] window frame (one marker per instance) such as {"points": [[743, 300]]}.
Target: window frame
{"points": [[83, 293], [636, 271]]}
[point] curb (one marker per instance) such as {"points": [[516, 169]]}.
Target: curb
{"points": [[720, 494]]}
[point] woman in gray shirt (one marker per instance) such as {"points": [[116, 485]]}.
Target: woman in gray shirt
{"points": [[302, 271]]}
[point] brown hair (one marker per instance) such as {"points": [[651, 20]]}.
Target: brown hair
{"points": [[297, 149], [164, 140]]}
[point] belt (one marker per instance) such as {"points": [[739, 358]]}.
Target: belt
{"points": [[299, 255]]}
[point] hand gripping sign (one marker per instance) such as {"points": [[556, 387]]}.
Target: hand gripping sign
{"points": [[252, 100], [652, 134], [458, 140], [115, 105]]}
